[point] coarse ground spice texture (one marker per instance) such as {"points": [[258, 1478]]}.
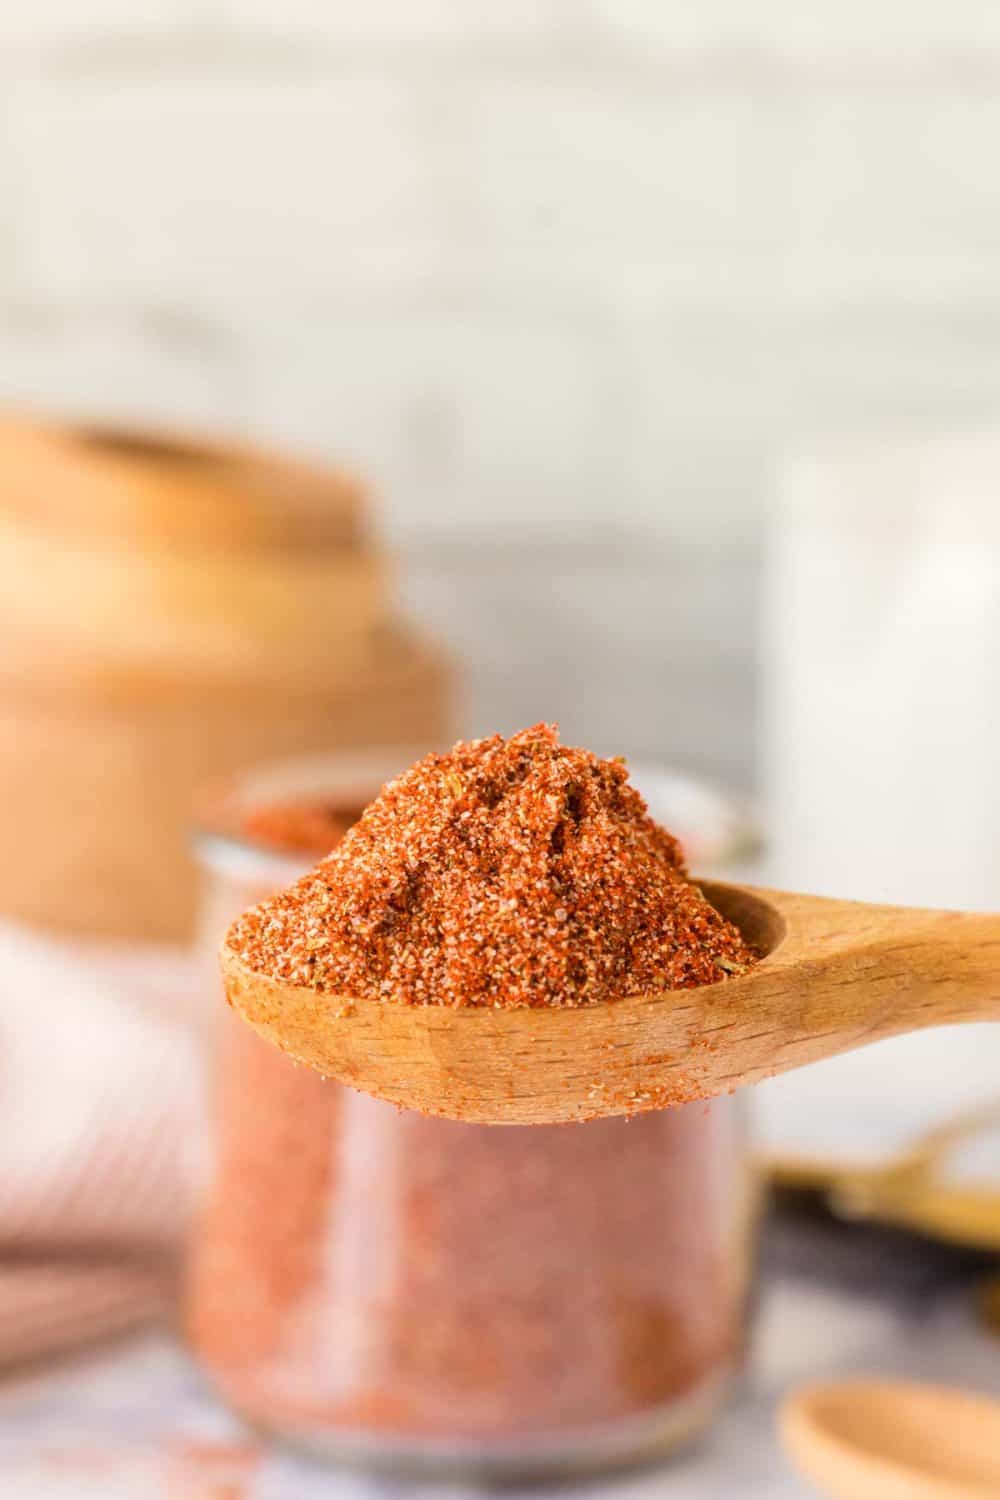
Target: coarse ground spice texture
{"points": [[517, 872]]}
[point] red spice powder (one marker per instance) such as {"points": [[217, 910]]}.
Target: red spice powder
{"points": [[514, 872], [360, 1269], [304, 826]]}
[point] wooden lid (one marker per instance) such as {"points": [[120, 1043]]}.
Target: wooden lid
{"points": [[388, 662], [170, 489]]}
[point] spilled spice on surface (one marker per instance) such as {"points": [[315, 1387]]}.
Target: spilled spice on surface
{"points": [[507, 872]]}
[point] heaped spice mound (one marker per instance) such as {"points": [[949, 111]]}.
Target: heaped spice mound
{"points": [[505, 873]]}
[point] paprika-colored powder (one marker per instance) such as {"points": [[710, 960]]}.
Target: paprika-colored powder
{"points": [[505, 873]]}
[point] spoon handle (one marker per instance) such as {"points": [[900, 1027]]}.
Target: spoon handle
{"points": [[859, 972], [896, 1441], [837, 974]]}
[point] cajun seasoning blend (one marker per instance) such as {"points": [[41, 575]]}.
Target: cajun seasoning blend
{"points": [[497, 1300]]}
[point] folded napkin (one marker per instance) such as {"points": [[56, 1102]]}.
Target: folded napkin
{"points": [[100, 1117]]}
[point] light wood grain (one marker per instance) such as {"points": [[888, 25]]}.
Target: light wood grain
{"points": [[155, 554], [197, 613], [868, 1440], [837, 975], [99, 774], [159, 488], [173, 610]]}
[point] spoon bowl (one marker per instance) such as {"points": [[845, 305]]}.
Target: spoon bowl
{"points": [[833, 975], [867, 1440]]}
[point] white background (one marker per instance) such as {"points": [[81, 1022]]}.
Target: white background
{"points": [[562, 275]]}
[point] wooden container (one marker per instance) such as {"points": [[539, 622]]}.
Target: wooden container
{"points": [[170, 612], [166, 558]]}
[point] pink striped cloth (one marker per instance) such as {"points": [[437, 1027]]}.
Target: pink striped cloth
{"points": [[100, 1088]]}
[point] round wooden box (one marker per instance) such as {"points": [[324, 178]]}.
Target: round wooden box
{"points": [[169, 612]]}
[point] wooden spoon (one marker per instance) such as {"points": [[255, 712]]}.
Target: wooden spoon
{"points": [[884, 1441], [915, 1190], [836, 975]]}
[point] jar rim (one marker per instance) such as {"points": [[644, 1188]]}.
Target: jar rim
{"points": [[350, 777], [715, 828]]}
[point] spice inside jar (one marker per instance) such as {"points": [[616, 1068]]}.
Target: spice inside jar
{"points": [[370, 1283]]}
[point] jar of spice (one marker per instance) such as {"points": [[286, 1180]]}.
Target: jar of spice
{"points": [[416, 1293]]}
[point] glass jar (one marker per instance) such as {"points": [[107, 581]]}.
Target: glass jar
{"points": [[488, 1301]]}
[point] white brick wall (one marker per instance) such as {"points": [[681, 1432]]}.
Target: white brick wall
{"points": [[563, 274], [99, 366], [31, 26], [440, 24], [477, 418], [814, 34], [204, 190], [620, 171]]}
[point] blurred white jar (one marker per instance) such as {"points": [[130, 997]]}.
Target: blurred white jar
{"points": [[881, 671], [881, 740]]}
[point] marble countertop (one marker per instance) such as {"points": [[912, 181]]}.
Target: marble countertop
{"points": [[111, 1424]]}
